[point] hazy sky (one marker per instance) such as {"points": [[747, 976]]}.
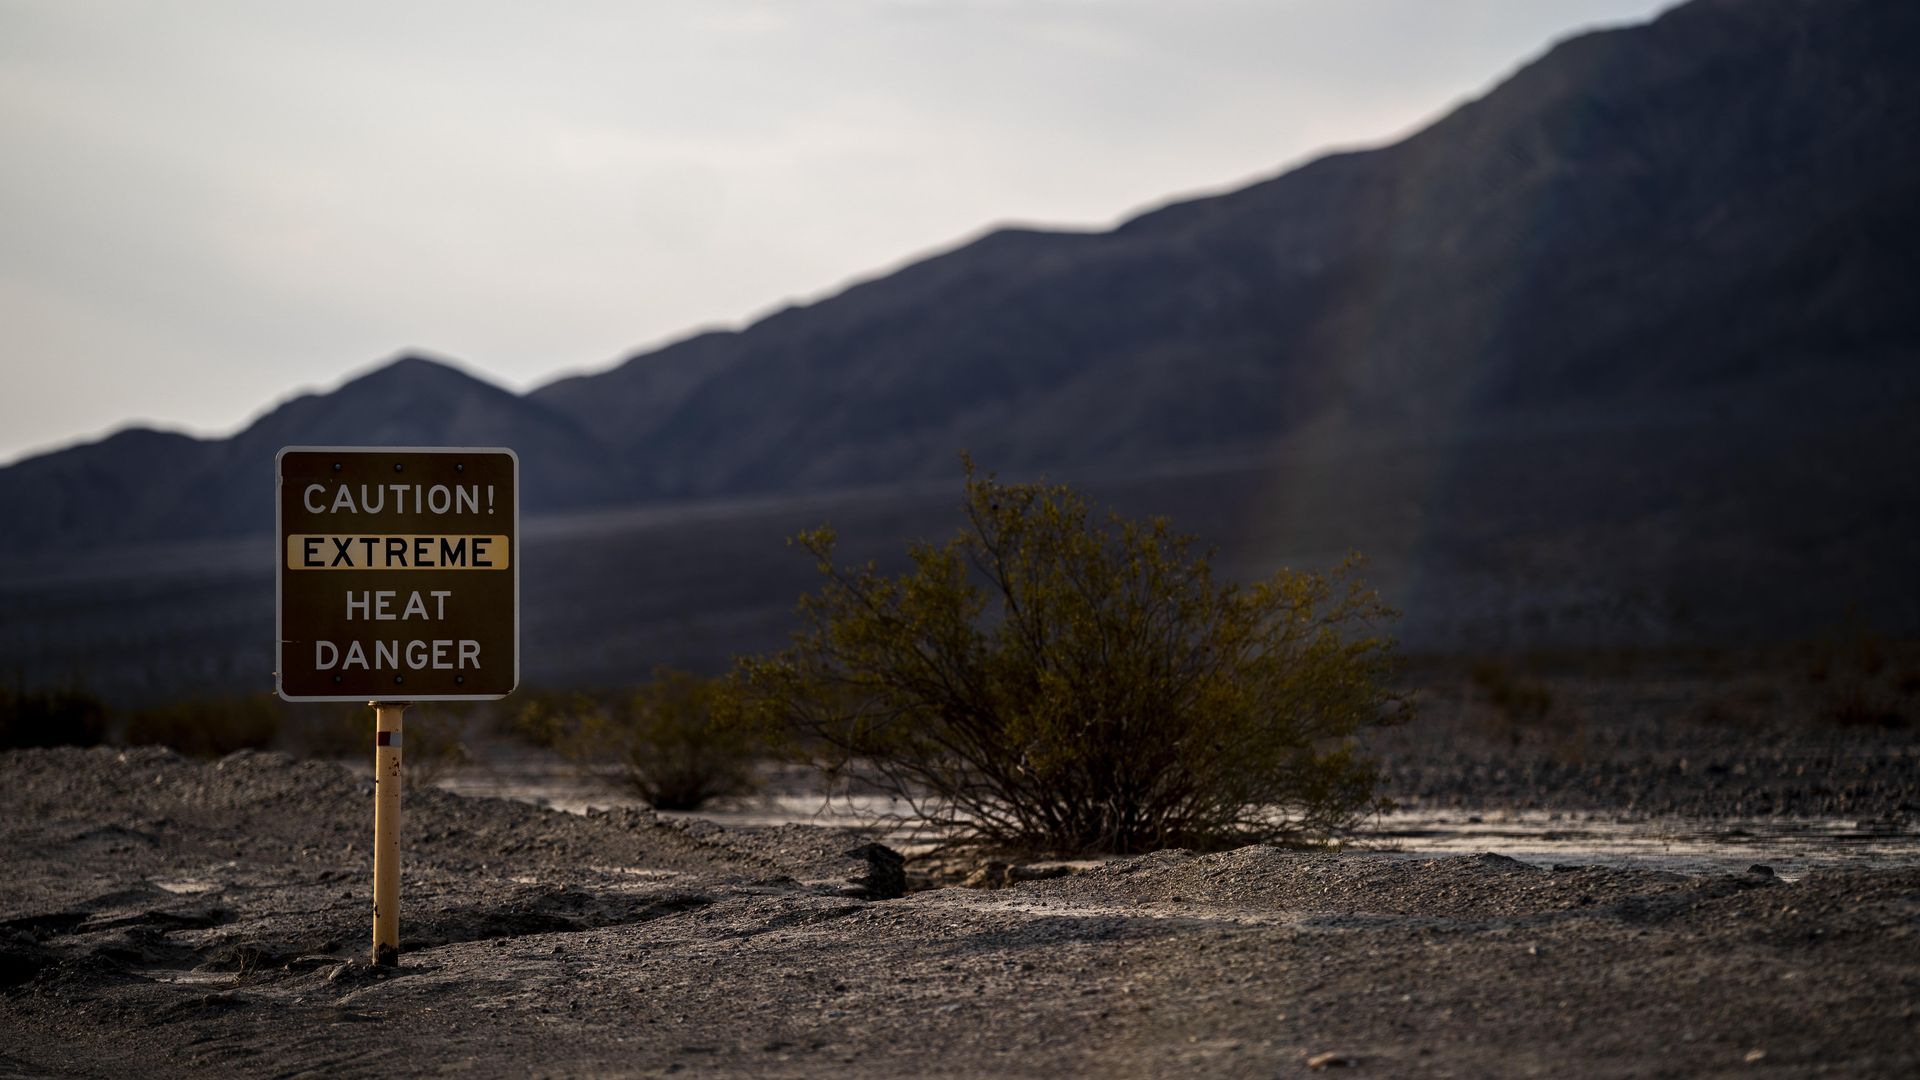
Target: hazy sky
{"points": [[208, 206]]}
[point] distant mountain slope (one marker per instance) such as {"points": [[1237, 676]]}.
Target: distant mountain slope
{"points": [[141, 486], [1731, 190], [1720, 199]]}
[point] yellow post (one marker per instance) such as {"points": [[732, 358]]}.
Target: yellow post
{"points": [[386, 832]]}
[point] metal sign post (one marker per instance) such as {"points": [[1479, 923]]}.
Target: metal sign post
{"points": [[398, 581]]}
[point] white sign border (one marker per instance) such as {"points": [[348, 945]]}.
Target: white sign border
{"points": [[280, 568]]}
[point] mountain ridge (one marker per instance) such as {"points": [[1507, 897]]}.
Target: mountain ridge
{"points": [[140, 485], [1620, 355], [1638, 212]]}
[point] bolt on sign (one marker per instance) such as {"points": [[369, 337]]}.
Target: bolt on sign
{"points": [[399, 573]]}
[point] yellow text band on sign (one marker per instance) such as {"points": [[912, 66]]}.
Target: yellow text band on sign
{"points": [[323, 551]]}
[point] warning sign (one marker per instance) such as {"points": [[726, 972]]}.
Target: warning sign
{"points": [[398, 573]]}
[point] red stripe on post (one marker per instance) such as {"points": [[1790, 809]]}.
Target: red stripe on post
{"points": [[383, 738]]}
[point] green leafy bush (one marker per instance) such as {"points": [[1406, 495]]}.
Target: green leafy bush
{"points": [[668, 741], [1047, 681]]}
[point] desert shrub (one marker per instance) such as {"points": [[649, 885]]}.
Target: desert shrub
{"points": [[1852, 649], [546, 717], [667, 741], [1051, 681], [328, 730], [1908, 681], [1855, 705], [1519, 703], [435, 743], [1742, 705], [70, 717], [208, 726], [435, 736], [1862, 685]]}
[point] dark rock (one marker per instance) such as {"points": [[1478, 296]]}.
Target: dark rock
{"points": [[1037, 873], [885, 877], [21, 958]]}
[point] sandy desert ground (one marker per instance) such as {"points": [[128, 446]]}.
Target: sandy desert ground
{"points": [[169, 917]]}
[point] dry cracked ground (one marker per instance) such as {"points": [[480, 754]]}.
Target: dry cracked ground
{"points": [[166, 917]]}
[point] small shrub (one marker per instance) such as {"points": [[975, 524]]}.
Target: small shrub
{"points": [[1863, 684], [1852, 649], [1047, 681], [1819, 666], [1908, 681], [434, 736], [327, 731], [667, 741], [434, 742], [1519, 704], [208, 727], [69, 717], [1855, 706], [546, 717]]}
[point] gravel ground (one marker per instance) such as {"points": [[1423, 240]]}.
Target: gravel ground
{"points": [[168, 917], [1755, 744]]}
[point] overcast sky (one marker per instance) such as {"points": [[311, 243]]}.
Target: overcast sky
{"points": [[205, 207]]}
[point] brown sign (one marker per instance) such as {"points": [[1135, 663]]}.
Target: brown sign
{"points": [[399, 573]]}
